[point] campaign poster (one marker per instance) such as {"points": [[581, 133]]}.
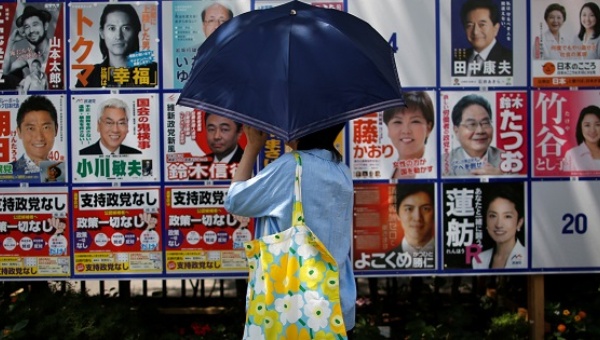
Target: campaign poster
{"points": [[117, 231], [115, 137], [200, 146], [33, 142], [484, 133], [185, 26], [564, 229], [397, 143], [201, 236], [114, 45], [32, 46], [484, 225], [479, 45], [394, 227], [566, 133], [564, 52], [34, 233], [410, 29]]}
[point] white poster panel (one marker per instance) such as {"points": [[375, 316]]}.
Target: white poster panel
{"points": [[565, 227], [414, 48]]}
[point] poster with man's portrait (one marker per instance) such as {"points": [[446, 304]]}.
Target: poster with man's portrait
{"points": [[33, 144], [186, 25], [32, 39], [115, 138], [114, 45]]}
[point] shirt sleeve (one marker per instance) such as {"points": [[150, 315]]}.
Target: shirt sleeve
{"points": [[269, 193]]}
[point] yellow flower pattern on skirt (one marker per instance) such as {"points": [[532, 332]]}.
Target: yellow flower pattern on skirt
{"points": [[293, 288]]}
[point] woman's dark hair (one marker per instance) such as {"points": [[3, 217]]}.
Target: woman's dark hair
{"points": [[415, 100], [135, 23], [322, 139], [589, 110], [555, 7], [512, 192], [596, 10]]}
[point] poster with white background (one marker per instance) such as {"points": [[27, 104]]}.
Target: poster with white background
{"points": [[566, 224]]}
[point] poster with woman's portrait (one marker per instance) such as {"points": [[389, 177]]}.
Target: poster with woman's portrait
{"points": [[33, 143], [32, 41], [114, 45], [484, 133], [565, 38], [186, 24], [485, 225], [115, 137], [397, 143], [566, 133]]}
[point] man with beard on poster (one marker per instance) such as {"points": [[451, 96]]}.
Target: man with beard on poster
{"points": [[29, 41]]}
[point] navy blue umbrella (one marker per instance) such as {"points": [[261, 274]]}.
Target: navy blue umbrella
{"points": [[292, 70]]}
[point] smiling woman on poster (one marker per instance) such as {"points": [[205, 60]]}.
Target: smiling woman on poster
{"points": [[408, 129], [504, 220], [588, 38], [551, 43], [586, 155]]}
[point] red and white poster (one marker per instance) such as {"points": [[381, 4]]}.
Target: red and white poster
{"points": [[566, 133], [117, 231], [201, 236], [34, 233]]}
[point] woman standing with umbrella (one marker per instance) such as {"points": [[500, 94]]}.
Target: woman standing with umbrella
{"points": [[327, 198]]}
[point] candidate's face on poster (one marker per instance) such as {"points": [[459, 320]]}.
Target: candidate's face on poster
{"points": [[118, 34], [408, 129], [416, 216], [502, 221], [214, 16], [475, 131], [590, 127], [37, 132], [555, 20], [479, 29], [222, 135], [113, 127], [588, 19], [34, 29]]}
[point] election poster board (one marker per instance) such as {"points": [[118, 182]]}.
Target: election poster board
{"points": [[502, 63], [114, 45], [565, 231], [185, 26], [566, 124], [117, 231], [201, 235], [485, 226], [398, 143], [115, 138], [35, 239], [32, 41], [415, 52], [36, 150], [562, 55], [484, 133], [394, 227]]}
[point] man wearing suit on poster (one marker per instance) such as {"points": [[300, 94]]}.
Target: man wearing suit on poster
{"points": [[113, 126], [29, 41], [223, 135], [486, 57]]}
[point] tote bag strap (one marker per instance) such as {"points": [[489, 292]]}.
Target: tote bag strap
{"points": [[297, 212]]}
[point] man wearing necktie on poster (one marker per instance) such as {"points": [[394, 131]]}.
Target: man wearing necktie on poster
{"points": [[486, 57]]}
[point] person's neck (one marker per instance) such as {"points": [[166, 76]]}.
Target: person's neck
{"points": [[419, 243], [505, 248], [117, 61], [42, 47], [416, 155], [589, 34], [594, 149]]}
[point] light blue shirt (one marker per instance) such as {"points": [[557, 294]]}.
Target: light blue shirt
{"points": [[327, 201]]}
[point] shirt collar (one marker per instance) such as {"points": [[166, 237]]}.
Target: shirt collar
{"points": [[486, 51]]}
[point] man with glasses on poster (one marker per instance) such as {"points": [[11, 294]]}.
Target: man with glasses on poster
{"points": [[473, 128], [113, 126]]}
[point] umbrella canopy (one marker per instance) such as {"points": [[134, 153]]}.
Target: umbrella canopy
{"points": [[292, 70]]}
